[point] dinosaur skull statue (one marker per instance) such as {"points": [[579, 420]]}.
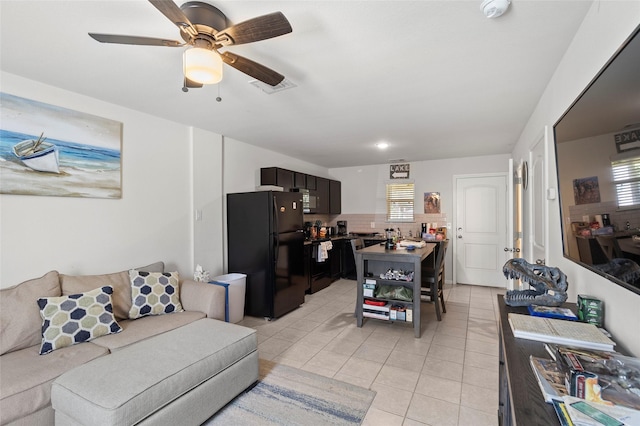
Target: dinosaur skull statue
{"points": [[550, 284]]}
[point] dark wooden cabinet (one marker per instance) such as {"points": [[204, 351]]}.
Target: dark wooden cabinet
{"points": [[336, 259], [520, 400], [327, 191], [307, 266], [311, 182], [299, 180], [335, 197], [277, 176], [322, 194]]}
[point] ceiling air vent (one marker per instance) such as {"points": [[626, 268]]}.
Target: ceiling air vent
{"points": [[283, 85]]}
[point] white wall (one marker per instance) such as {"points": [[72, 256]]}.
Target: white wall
{"points": [[243, 162], [152, 220], [605, 28], [363, 187], [208, 207]]}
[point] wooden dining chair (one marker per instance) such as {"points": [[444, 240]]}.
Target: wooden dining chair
{"points": [[432, 278], [610, 246]]}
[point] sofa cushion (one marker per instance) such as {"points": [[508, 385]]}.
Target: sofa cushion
{"points": [[73, 284], [119, 281], [143, 328], [26, 377], [154, 293], [77, 318], [20, 322], [129, 385]]}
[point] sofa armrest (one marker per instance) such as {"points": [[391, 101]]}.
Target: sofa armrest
{"points": [[202, 297]]}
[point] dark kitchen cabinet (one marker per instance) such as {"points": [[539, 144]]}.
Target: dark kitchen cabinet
{"points": [[335, 197], [299, 180], [307, 266], [311, 182], [277, 176], [336, 259], [327, 191], [322, 194]]}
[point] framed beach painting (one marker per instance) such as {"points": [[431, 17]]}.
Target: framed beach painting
{"points": [[50, 150]]}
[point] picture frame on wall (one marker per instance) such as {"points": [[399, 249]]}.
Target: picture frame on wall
{"points": [[54, 151], [586, 190], [432, 202]]}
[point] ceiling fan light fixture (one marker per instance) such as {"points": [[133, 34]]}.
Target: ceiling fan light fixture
{"points": [[202, 65]]}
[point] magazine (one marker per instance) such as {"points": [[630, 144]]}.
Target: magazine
{"points": [[550, 378], [552, 312]]}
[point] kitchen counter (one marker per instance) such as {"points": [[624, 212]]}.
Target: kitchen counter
{"points": [[334, 238]]}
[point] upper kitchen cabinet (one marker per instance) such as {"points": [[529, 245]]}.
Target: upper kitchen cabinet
{"points": [[328, 192], [322, 194], [312, 182], [335, 197], [299, 180], [277, 176]]}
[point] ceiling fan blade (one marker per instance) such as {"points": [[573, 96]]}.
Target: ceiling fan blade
{"points": [[254, 69], [144, 41], [171, 10], [256, 29]]}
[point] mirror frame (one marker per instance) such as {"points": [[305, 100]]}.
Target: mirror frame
{"points": [[635, 33]]}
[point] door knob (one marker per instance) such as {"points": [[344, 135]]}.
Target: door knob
{"points": [[540, 261], [460, 236], [507, 249]]}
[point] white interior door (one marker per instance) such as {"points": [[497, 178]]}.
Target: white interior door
{"points": [[538, 201], [481, 229]]}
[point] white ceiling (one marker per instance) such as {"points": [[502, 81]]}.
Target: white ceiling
{"points": [[434, 79]]}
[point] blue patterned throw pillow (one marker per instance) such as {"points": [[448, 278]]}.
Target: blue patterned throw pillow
{"points": [[76, 318], [154, 293]]}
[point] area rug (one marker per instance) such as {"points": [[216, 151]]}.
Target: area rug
{"points": [[289, 396]]}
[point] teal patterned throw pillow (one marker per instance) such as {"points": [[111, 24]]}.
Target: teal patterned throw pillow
{"points": [[77, 318], [154, 293]]}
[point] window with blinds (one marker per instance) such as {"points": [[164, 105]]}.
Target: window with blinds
{"points": [[400, 197], [626, 177]]}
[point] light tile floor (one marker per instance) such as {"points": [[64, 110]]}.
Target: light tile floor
{"points": [[449, 376]]}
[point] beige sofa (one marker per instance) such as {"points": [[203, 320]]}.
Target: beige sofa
{"points": [[27, 377]]}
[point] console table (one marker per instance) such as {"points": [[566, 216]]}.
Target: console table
{"points": [[520, 398]]}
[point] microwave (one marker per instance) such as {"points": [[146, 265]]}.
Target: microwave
{"points": [[309, 202]]}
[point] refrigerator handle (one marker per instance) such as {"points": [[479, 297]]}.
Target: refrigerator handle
{"points": [[276, 234]]}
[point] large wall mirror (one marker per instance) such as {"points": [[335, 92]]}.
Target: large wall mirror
{"points": [[598, 159]]}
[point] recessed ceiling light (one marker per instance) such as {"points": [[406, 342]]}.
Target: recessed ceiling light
{"points": [[382, 145]]}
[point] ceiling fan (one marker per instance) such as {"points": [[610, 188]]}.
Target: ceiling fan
{"points": [[204, 29]]}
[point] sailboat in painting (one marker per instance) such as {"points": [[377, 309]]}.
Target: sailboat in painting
{"points": [[38, 155]]}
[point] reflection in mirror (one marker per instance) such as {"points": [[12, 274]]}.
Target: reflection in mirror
{"points": [[598, 160]]}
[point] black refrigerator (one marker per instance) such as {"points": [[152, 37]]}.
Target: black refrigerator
{"points": [[266, 242]]}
